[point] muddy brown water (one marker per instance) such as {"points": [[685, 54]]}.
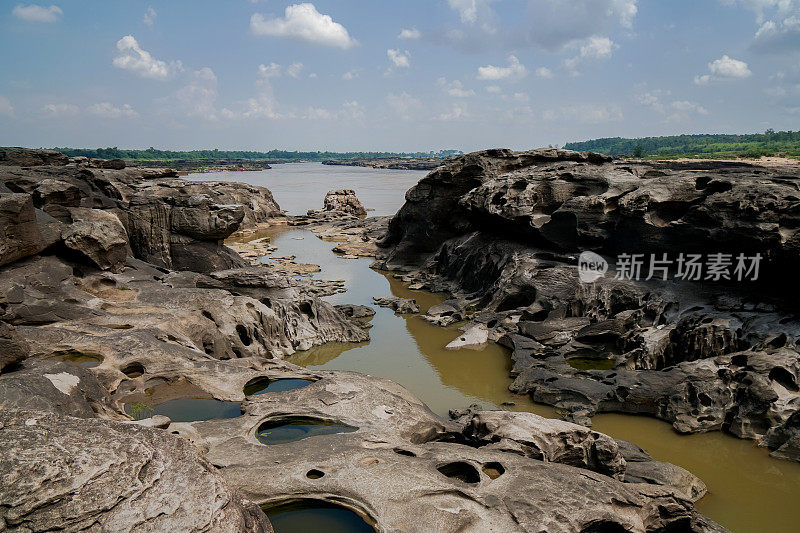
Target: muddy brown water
{"points": [[747, 490]]}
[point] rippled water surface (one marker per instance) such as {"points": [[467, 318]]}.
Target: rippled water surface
{"points": [[748, 490]]}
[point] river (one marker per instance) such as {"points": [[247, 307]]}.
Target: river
{"points": [[747, 490]]}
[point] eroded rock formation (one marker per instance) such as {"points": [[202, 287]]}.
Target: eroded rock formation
{"points": [[502, 230]]}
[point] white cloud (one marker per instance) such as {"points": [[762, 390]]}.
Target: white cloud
{"points": [[651, 99], [782, 35], [263, 104], [60, 110], [478, 15], [456, 112], [132, 57], [37, 13], [544, 73], [351, 74], [514, 70], [598, 48], [352, 110], [199, 96], [109, 110], [455, 88], [724, 68], [556, 24], [779, 24], [317, 113], [303, 22], [294, 69], [679, 109], [521, 98], [5, 107], [469, 10], [399, 59], [685, 106], [149, 16], [593, 50], [493, 89], [409, 34], [273, 70], [403, 104], [727, 67], [760, 7]]}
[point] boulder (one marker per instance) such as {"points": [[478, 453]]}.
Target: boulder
{"points": [[473, 338], [99, 236], [547, 440], [345, 201], [24, 230], [112, 164], [401, 306]]}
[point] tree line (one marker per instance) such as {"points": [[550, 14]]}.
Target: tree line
{"points": [[152, 154], [750, 145]]}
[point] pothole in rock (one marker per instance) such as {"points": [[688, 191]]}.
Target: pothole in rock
{"points": [[302, 516], [294, 428], [315, 474], [493, 469], [407, 453], [461, 471], [262, 385], [181, 401], [589, 363], [83, 359], [133, 370]]}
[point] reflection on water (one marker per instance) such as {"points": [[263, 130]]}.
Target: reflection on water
{"points": [[306, 516], [265, 385], [181, 401], [296, 428]]}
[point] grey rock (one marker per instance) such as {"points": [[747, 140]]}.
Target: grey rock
{"points": [[98, 474], [399, 305], [547, 440], [25, 157], [24, 230], [344, 200], [13, 349], [98, 235]]}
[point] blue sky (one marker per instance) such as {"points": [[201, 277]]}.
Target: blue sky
{"points": [[387, 75]]}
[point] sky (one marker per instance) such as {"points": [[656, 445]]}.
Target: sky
{"points": [[383, 75]]}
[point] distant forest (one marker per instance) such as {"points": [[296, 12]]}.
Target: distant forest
{"points": [[754, 145], [151, 154]]}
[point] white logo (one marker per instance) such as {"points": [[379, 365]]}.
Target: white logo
{"points": [[591, 267]]}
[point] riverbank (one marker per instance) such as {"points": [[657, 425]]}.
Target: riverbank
{"points": [[393, 163]]}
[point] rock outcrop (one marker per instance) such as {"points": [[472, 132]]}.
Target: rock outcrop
{"points": [[502, 231], [46, 200], [454, 476], [345, 201], [77, 474]]}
